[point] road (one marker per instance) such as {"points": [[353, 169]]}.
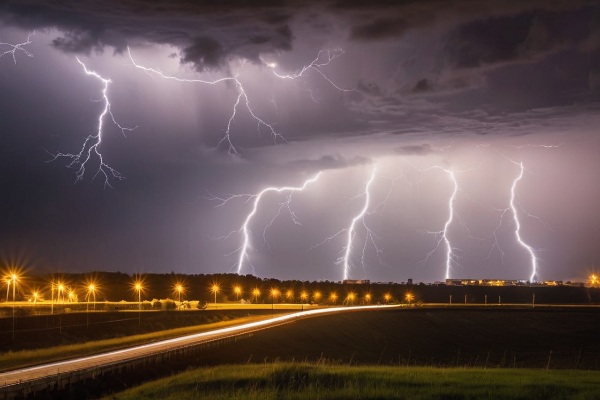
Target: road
{"points": [[98, 360]]}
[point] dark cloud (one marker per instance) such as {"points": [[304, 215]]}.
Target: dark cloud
{"points": [[330, 162], [415, 150]]}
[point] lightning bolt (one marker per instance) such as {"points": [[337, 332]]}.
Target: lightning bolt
{"points": [[518, 224], [91, 145], [351, 229], [442, 235], [14, 47], [245, 230], [243, 96]]}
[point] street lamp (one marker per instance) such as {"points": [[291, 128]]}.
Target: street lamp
{"points": [[35, 296], [333, 297], [256, 293], [8, 280], [179, 289], [274, 293], [387, 297], [60, 289], [409, 297], [238, 291], [317, 295], [303, 297], [368, 297], [351, 297], [215, 289], [290, 295]]}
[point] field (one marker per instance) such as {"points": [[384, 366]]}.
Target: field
{"points": [[310, 381]]}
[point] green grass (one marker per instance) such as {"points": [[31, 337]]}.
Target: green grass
{"points": [[15, 359], [302, 381]]}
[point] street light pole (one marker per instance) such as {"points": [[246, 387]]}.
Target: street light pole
{"points": [[13, 324]]}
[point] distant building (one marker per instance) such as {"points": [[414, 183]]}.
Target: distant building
{"points": [[356, 282]]}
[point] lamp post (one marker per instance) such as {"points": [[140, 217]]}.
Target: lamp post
{"points": [[14, 280], [237, 291], [274, 293], [8, 280], [387, 297], [368, 298], [138, 287], [303, 297], [317, 295], [256, 293], [179, 289], [409, 297], [351, 297], [333, 297], [215, 289]]}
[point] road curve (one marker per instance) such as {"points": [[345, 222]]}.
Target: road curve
{"points": [[99, 360]]}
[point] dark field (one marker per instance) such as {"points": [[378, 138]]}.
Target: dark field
{"points": [[537, 338]]}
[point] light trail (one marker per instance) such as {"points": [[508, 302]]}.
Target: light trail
{"points": [[257, 197], [40, 371], [14, 47], [518, 224], [92, 143], [243, 96]]}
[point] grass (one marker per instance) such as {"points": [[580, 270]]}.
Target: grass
{"points": [[299, 381], [16, 359]]}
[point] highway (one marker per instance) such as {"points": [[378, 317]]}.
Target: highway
{"points": [[99, 360]]}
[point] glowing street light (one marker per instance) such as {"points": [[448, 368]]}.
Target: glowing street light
{"points": [[255, 293], [35, 296], [60, 289], [238, 291], [303, 297], [333, 297], [409, 297], [594, 280], [289, 294], [387, 297], [351, 297], [317, 295], [368, 297], [215, 289]]}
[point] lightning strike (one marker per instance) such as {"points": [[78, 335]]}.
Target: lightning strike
{"points": [[518, 224], [14, 47], [243, 96], [443, 234], [351, 230], [91, 145], [245, 230]]}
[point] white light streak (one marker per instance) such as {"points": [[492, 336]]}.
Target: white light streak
{"points": [[92, 143], [245, 230], [14, 47]]}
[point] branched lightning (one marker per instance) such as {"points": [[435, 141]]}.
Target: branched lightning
{"points": [[245, 230], [14, 47], [243, 96], [315, 65], [442, 235], [351, 230], [92, 143], [518, 224]]}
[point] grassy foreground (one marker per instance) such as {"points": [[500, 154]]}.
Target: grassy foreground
{"points": [[311, 381], [15, 359]]}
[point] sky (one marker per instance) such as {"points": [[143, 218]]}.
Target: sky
{"points": [[411, 124]]}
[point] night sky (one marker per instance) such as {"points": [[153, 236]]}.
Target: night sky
{"points": [[412, 90]]}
